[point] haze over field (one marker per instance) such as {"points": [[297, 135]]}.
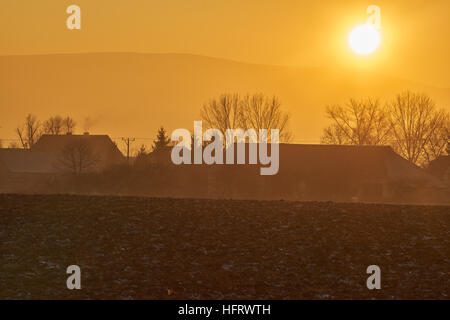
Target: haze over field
{"points": [[127, 94]]}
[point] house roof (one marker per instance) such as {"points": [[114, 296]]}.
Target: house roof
{"points": [[337, 161], [370, 162], [101, 144]]}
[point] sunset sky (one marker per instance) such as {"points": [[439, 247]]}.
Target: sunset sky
{"points": [[414, 44], [296, 50]]}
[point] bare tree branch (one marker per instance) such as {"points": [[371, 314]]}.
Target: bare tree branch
{"points": [[420, 130], [78, 157], [230, 111], [362, 122], [30, 132]]}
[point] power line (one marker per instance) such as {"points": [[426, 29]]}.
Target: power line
{"points": [[128, 142]]}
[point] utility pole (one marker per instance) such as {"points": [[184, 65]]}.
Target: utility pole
{"points": [[128, 142]]}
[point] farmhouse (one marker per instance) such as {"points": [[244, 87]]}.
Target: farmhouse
{"points": [[348, 173], [100, 147], [22, 169], [314, 172]]}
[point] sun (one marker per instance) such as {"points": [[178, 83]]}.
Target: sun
{"points": [[364, 39]]}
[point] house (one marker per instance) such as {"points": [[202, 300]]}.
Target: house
{"points": [[38, 168], [348, 173], [98, 147], [44, 157], [315, 172]]}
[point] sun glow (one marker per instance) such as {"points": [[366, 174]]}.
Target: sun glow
{"points": [[364, 39]]}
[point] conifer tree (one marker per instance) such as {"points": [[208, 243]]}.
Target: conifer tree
{"points": [[162, 140]]}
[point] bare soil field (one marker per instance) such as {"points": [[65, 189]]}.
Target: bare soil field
{"points": [[147, 248]]}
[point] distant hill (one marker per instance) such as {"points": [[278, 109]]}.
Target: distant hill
{"points": [[127, 94]]}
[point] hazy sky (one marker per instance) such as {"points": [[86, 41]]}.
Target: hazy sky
{"points": [[415, 33]]}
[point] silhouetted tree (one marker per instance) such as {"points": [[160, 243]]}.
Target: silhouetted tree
{"points": [[57, 125], [448, 144], [223, 113], [78, 157], [363, 122], [334, 134], [30, 132], [439, 141], [261, 112], [68, 125], [230, 111], [420, 131], [411, 124], [162, 139], [53, 125]]}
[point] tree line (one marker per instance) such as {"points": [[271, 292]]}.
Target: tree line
{"points": [[32, 129], [411, 124], [234, 111], [256, 111]]}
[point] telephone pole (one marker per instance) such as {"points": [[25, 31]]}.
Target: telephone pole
{"points": [[128, 142]]}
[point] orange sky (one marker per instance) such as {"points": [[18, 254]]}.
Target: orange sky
{"points": [[415, 33]]}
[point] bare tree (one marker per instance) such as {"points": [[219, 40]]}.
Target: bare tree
{"points": [[30, 132], [359, 122], [420, 131], [448, 142], [57, 125], [53, 125], [68, 125], [334, 134], [223, 113], [78, 157], [230, 111], [439, 143], [261, 112]]}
